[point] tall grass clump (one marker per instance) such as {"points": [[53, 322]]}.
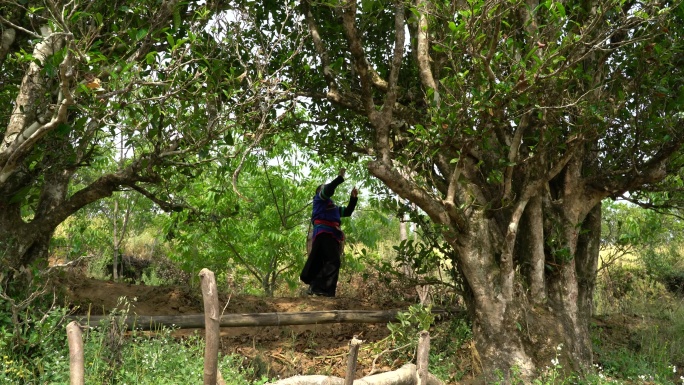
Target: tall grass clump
{"points": [[641, 339]]}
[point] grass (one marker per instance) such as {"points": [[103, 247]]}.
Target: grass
{"points": [[113, 356], [643, 341], [638, 338]]}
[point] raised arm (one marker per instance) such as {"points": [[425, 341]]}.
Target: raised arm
{"points": [[349, 209], [329, 189]]}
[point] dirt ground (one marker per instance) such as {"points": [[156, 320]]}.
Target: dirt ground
{"points": [[275, 351], [307, 349]]}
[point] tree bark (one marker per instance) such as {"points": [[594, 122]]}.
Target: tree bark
{"points": [[496, 320], [422, 358], [517, 331], [533, 246], [6, 40], [586, 265], [115, 242]]}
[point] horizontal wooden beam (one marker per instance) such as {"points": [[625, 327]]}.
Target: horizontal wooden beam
{"points": [[196, 321]]}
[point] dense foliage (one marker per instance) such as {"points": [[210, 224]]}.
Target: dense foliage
{"points": [[505, 124]]}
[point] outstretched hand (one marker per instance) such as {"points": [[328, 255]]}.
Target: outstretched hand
{"points": [[342, 172], [354, 192]]}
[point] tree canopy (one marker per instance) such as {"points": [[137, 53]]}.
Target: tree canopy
{"points": [[506, 123], [108, 96]]}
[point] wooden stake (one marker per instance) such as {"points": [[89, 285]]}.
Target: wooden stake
{"points": [[75, 341], [211, 325], [422, 356], [354, 345]]}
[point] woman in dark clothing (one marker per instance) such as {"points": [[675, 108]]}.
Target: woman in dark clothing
{"points": [[322, 268]]}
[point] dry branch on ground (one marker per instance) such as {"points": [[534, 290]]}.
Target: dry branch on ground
{"points": [[406, 375]]}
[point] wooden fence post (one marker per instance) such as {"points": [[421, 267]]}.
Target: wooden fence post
{"points": [[75, 341], [354, 345], [211, 325], [422, 356]]}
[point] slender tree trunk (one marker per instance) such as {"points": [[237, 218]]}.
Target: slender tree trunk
{"points": [[588, 247], [533, 245], [115, 241], [423, 291]]}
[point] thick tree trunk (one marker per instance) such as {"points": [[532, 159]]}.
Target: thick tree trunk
{"points": [[587, 256], [21, 242], [538, 323], [497, 327], [573, 287]]}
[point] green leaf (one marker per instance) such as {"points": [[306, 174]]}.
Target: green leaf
{"points": [[561, 8], [151, 57], [62, 129], [20, 195], [140, 34]]}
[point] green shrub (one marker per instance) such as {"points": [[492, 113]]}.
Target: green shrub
{"points": [[666, 265], [629, 289], [32, 348]]}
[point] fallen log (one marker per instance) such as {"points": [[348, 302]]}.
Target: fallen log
{"points": [[406, 375], [196, 321]]}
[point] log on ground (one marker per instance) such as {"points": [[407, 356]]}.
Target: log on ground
{"points": [[196, 321], [406, 375]]}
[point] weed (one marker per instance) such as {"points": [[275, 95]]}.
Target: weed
{"points": [[648, 344], [445, 349], [111, 357]]}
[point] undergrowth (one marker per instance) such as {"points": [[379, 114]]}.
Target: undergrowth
{"points": [[646, 345], [40, 355], [645, 348]]}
